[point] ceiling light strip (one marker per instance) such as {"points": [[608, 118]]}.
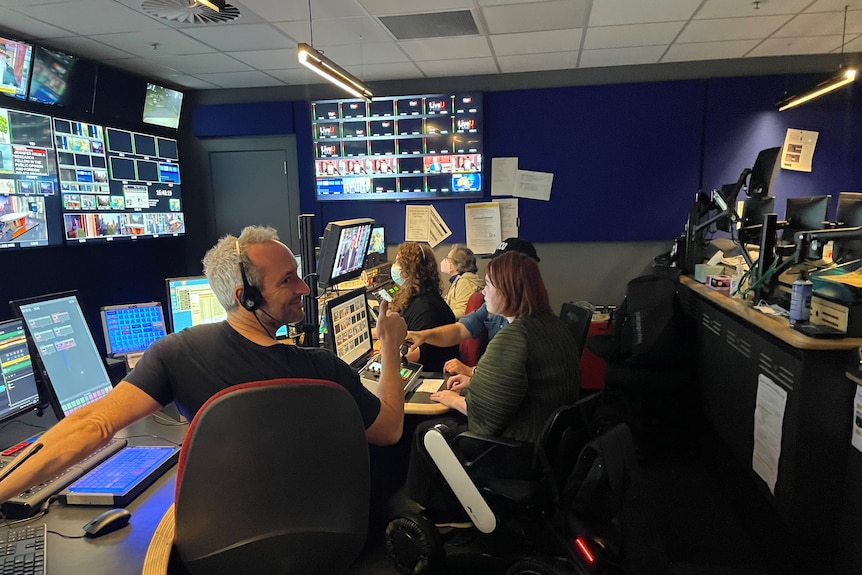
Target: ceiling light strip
{"points": [[841, 79], [320, 64]]}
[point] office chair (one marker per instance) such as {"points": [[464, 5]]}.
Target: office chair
{"points": [[273, 478], [565, 520], [577, 318], [470, 350]]}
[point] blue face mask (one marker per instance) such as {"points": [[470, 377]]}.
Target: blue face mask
{"points": [[395, 274]]}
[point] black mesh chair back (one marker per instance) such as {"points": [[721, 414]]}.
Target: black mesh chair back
{"points": [[577, 318]]}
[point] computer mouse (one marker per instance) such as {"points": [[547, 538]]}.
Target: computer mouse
{"points": [[109, 521]]}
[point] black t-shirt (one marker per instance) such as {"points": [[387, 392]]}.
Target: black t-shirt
{"points": [[191, 366], [424, 311]]}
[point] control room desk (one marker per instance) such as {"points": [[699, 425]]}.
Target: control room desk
{"points": [[735, 344], [121, 552]]}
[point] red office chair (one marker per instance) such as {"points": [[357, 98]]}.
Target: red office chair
{"points": [[273, 478], [470, 350]]}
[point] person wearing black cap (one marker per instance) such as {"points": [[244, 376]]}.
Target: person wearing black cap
{"points": [[476, 324]]}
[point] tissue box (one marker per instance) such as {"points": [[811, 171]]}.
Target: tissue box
{"points": [[720, 283], [702, 271]]}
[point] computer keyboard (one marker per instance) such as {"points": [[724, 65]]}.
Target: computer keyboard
{"points": [[28, 503], [22, 550], [119, 479]]}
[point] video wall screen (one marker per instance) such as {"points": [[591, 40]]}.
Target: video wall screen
{"points": [[405, 147], [15, 61], [162, 106], [76, 182]]}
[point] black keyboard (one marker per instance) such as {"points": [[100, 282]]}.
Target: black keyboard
{"points": [[29, 502], [22, 550]]}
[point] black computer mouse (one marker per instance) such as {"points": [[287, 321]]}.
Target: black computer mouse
{"points": [[109, 521]]}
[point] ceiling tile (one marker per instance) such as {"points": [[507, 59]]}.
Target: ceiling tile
{"points": [[198, 64], [504, 2], [794, 46], [84, 47], [92, 16], [533, 62], [463, 67], [709, 50], [252, 79], [557, 15], [621, 56], [822, 24], [392, 71], [834, 6], [371, 53], [631, 35], [145, 67], [192, 83], [297, 30], [269, 59], [238, 37], [718, 29], [169, 43], [616, 12], [745, 8], [854, 45], [349, 31], [445, 48], [276, 10], [297, 76], [536, 42], [386, 7], [28, 28]]}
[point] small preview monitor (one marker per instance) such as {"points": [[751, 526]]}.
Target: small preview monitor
{"points": [[162, 106], [17, 376], [191, 302], [15, 61], [132, 328], [348, 328], [76, 374], [849, 215], [343, 250]]}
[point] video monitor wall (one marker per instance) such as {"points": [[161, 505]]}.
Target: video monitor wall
{"points": [[15, 61], [62, 79], [405, 147], [162, 106]]}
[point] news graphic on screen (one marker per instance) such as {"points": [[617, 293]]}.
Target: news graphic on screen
{"points": [[162, 106], [29, 201], [191, 302], [405, 147], [117, 184], [15, 60]]}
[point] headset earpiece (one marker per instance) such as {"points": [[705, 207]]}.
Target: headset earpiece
{"points": [[250, 297]]}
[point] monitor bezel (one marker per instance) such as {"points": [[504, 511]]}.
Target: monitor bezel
{"points": [[339, 300], [329, 249], [39, 404], [103, 317]]}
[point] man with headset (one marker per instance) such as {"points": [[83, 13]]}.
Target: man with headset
{"points": [[254, 278]]}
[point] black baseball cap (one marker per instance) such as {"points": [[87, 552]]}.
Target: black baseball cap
{"points": [[516, 245]]}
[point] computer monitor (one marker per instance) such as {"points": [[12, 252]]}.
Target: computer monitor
{"points": [[348, 328], [376, 247], [162, 106], [191, 302], [132, 328], [753, 211], [805, 213], [849, 215], [21, 391], [763, 172], [343, 250], [76, 374]]}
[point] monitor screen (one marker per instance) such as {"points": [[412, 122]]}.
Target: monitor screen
{"points": [[17, 375], [162, 106], [29, 197], [132, 328], [406, 147], [377, 244], [849, 215], [343, 250], [805, 213], [191, 302], [348, 328], [75, 371], [62, 79], [752, 218], [763, 172], [15, 61], [117, 184]]}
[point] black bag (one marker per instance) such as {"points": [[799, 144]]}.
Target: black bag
{"points": [[647, 330]]}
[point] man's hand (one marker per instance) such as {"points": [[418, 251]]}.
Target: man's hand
{"points": [[455, 366], [448, 398], [458, 382], [391, 327], [416, 338]]}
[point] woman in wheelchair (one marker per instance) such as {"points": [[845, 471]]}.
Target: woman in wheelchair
{"points": [[529, 369]]}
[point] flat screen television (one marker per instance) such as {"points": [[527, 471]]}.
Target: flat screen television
{"points": [[15, 61], [402, 147], [17, 374], [343, 250], [29, 197], [849, 215], [117, 184], [76, 374], [62, 79], [191, 302], [162, 106]]}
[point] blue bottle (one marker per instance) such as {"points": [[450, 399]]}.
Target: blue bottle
{"points": [[800, 299]]}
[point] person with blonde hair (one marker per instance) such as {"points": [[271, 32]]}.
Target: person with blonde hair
{"points": [[460, 265]]}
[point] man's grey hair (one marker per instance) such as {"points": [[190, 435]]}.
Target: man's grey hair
{"points": [[463, 259], [221, 263]]}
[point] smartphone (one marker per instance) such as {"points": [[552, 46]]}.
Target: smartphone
{"points": [[383, 294]]}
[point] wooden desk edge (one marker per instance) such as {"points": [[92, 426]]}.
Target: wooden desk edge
{"points": [[778, 327], [159, 551]]}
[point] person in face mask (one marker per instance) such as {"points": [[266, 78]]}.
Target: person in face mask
{"points": [[460, 265], [420, 303]]}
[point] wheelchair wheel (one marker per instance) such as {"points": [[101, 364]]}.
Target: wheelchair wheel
{"points": [[540, 566], [414, 544]]}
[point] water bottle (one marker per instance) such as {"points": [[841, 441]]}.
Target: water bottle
{"points": [[800, 299]]}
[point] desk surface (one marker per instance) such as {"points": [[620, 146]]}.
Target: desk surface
{"points": [[777, 326]]}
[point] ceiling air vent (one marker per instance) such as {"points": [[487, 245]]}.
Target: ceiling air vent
{"points": [[189, 11]]}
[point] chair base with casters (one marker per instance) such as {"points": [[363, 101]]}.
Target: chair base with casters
{"points": [[273, 478], [518, 526]]}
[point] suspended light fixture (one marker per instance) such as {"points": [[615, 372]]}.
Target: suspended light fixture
{"points": [[842, 78], [315, 61], [216, 5]]}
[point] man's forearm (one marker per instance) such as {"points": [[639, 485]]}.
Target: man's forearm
{"points": [[447, 335]]}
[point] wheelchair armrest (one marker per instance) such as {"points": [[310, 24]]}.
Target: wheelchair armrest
{"points": [[487, 439]]}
